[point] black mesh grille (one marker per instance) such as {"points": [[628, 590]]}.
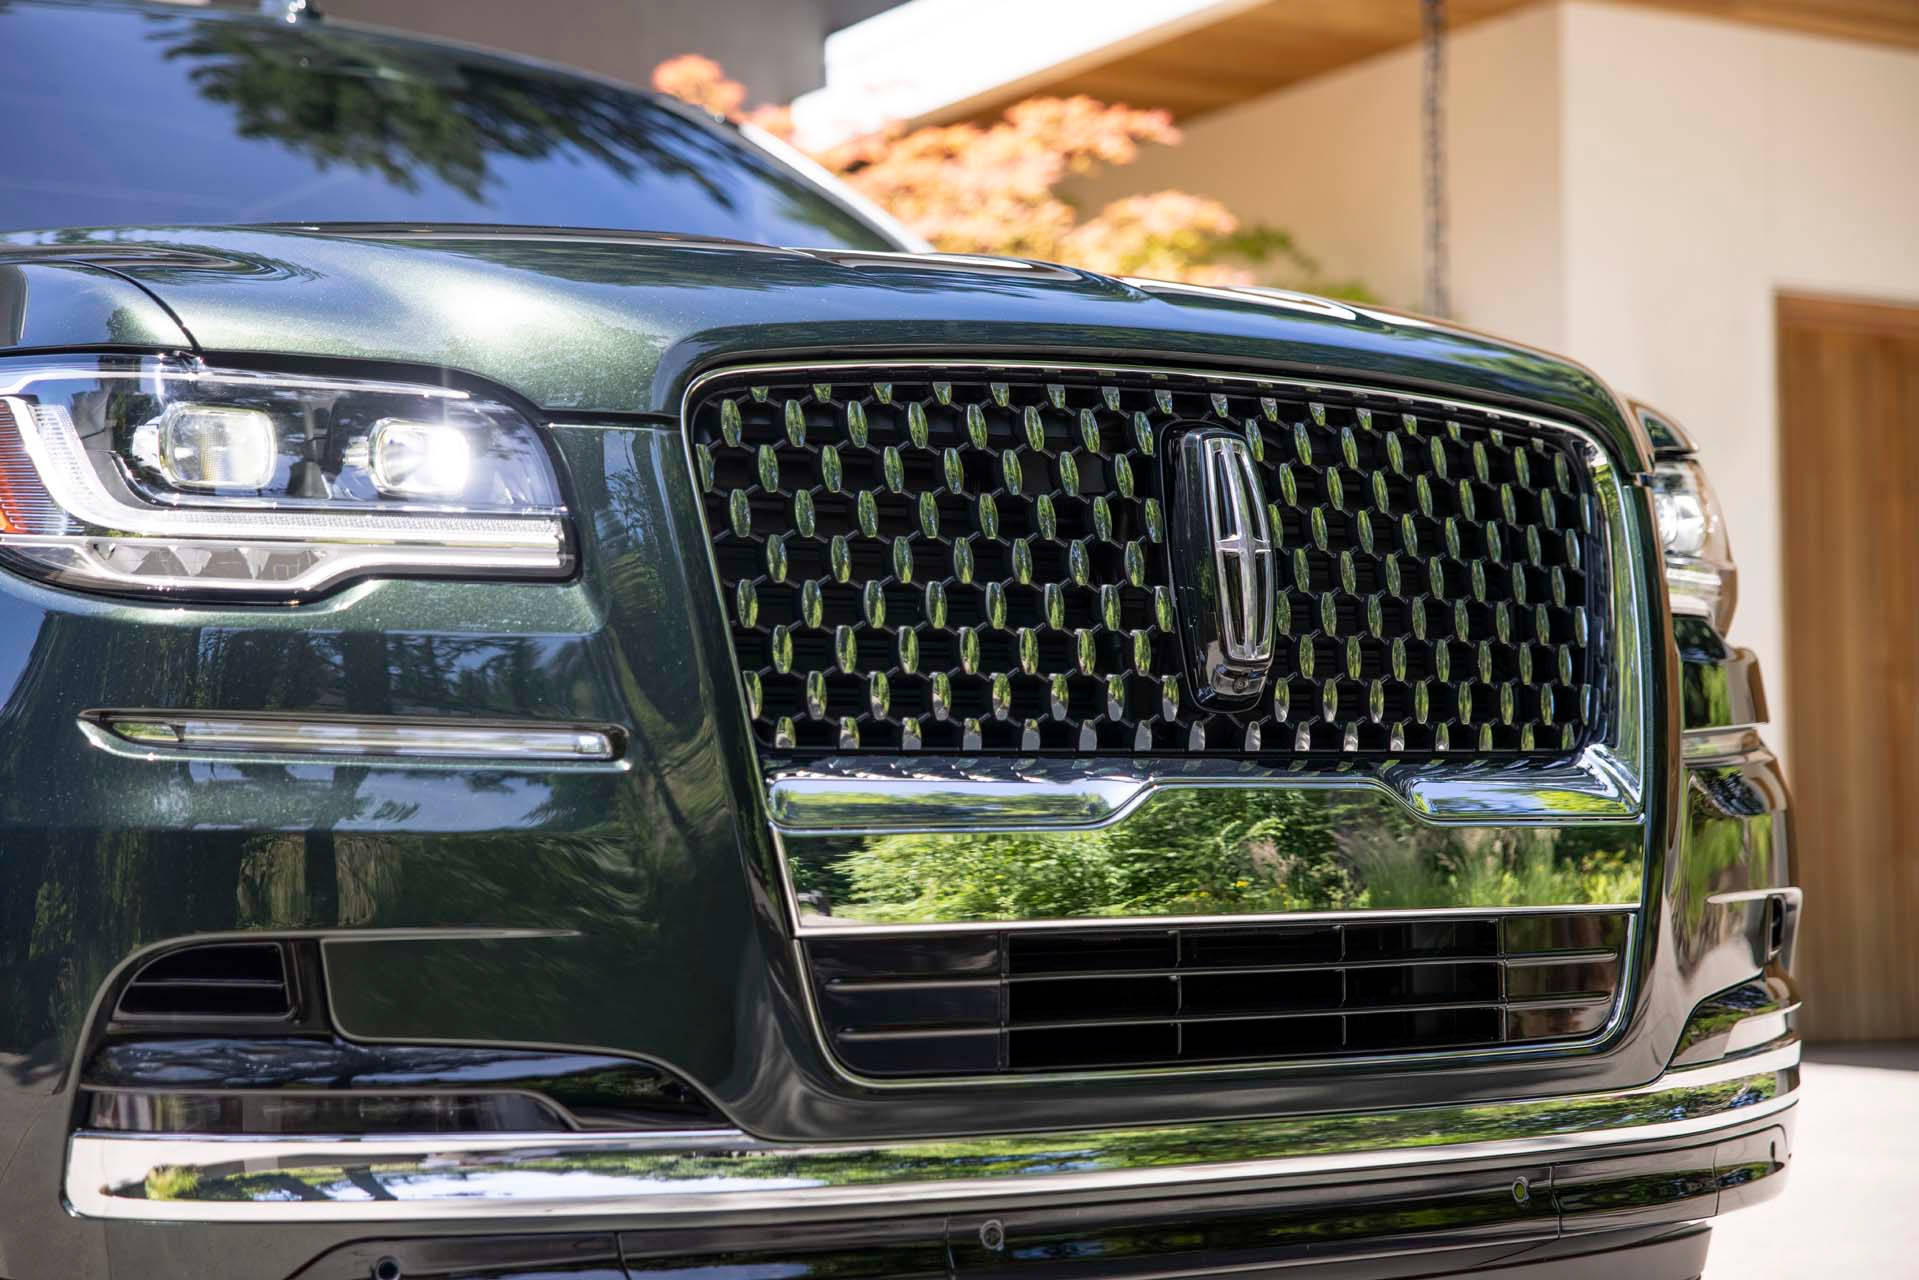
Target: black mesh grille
{"points": [[976, 561], [957, 1004]]}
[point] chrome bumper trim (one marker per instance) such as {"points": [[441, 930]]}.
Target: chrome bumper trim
{"points": [[724, 1172]]}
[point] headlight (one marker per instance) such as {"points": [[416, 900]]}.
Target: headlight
{"points": [[1700, 576], [162, 476]]}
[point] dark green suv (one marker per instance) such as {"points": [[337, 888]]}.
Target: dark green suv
{"points": [[630, 751]]}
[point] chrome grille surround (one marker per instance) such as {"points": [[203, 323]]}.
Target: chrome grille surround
{"points": [[851, 793], [972, 560]]}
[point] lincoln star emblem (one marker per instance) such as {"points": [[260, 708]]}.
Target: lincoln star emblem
{"points": [[1224, 567]]}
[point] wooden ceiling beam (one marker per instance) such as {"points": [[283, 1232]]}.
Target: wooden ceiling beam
{"points": [[1256, 50], [1889, 22]]}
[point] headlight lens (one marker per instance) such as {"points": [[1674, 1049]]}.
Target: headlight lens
{"points": [[208, 446], [162, 476], [1700, 576], [420, 459]]}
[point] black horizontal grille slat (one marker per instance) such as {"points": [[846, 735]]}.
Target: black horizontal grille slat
{"points": [[1244, 991], [975, 561], [1089, 951], [972, 1003]]}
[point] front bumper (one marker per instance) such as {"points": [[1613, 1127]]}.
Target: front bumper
{"points": [[1692, 1143]]}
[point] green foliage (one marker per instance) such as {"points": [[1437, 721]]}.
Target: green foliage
{"points": [[1188, 852], [1494, 867], [1000, 187], [1205, 852], [173, 1182]]}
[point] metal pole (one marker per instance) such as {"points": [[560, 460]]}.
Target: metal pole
{"points": [[1438, 300]]}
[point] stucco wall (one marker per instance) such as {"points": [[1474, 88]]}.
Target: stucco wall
{"points": [[1336, 161], [1628, 186], [1708, 166]]}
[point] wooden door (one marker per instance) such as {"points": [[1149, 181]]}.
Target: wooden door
{"points": [[1849, 453]]}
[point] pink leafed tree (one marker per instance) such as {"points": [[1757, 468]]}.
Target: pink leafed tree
{"points": [[995, 188]]}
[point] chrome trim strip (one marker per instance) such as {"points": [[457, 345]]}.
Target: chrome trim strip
{"points": [[850, 796], [252, 737], [57, 369], [1722, 744], [725, 1172], [1792, 893], [816, 929]]}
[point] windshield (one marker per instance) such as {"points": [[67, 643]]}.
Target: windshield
{"points": [[153, 117]]}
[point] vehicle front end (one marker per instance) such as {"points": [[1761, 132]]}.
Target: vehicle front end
{"points": [[588, 754]]}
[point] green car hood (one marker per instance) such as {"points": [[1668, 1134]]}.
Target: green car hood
{"points": [[614, 323]]}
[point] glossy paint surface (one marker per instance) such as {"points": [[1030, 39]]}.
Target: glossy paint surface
{"points": [[595, 1091], [533, 1257], [613, 322], [655, 926], [1476, 1220], [55, 304]]}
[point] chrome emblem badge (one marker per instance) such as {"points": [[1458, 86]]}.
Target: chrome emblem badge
{"points": [[1225, 568]]}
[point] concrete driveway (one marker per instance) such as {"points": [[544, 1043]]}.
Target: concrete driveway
{"points": [[1851, 1206]]}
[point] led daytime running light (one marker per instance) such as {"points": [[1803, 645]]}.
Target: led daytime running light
{"points": [[370, 736]]}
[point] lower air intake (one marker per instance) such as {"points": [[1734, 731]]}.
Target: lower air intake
{"points": [[217, 981], [1012, 1001]]}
